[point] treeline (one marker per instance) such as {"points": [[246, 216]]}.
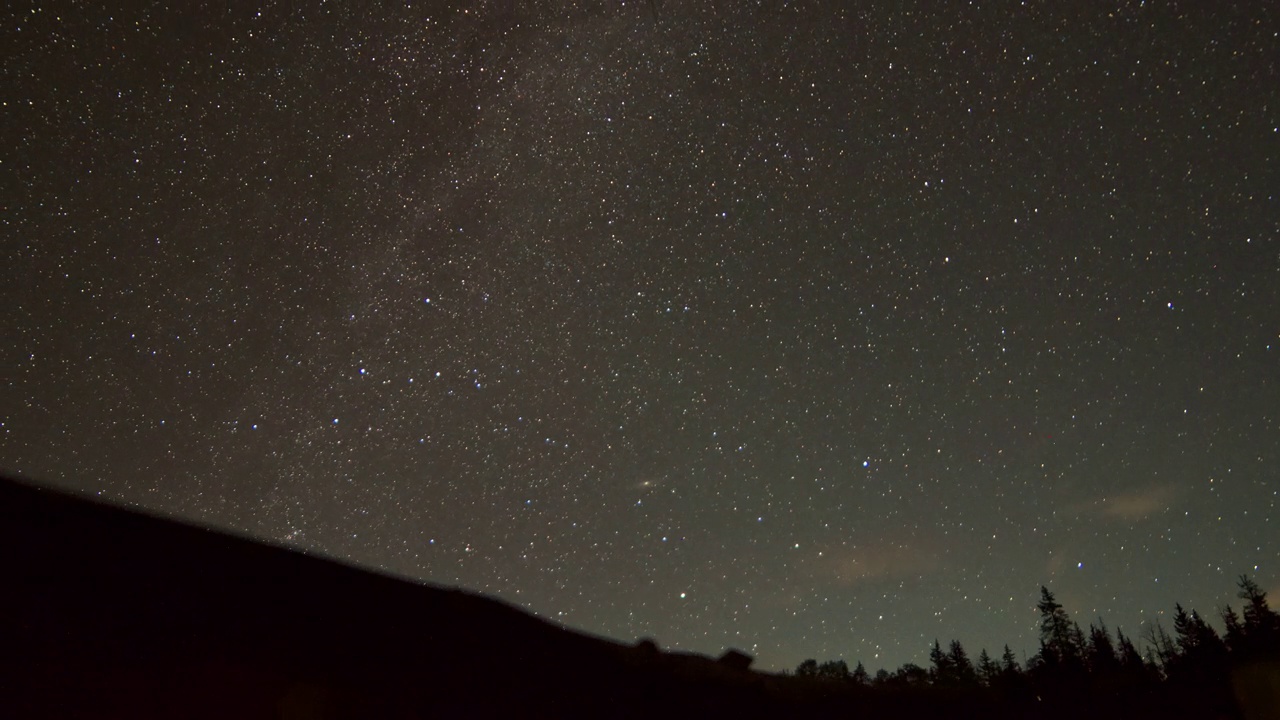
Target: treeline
{"points": [[1071, 660]]}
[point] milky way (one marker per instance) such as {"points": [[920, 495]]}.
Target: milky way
{"points": [[811, 331]]}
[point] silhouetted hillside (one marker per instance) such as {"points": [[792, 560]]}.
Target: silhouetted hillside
{"points": [[109, 613]]}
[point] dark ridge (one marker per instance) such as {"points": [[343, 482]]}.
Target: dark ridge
{"points": [[112, 613]]}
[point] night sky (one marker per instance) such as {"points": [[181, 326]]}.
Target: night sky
{"points": [[814, 329]]}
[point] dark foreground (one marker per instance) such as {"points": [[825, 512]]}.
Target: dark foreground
{"points": [[107, 613]]}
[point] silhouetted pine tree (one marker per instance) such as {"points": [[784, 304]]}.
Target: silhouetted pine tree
{"points": [[1183, 672], [1211, 649], [1261, 624], [1201, 656], [1184, 627], [1154, 670], [1059, 666], [1079, 642], [962, 672], [988, 670], [1010, 681], [1101, 657], [940, 673], [1132, 665], [1163, 650], [1009, 663], [1044, 661], [1233, 630], [1061, 639], [860, 676], [1203, 640], [1257, 613]]}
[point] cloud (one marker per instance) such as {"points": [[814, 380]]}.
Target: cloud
{"points": [[852, 565], [1140, 505]]}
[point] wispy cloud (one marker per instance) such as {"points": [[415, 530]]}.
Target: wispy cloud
{"points": [[882, 560], [1136, 505]]}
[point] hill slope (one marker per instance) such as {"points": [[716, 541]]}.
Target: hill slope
{"points": [[112, 613]]}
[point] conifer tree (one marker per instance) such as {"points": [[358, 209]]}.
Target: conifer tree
{"points": [[941, 672], [1184, 626], [1061, 640], [1164, 651], [1101, 657], [1132, 666], [1261, 623], [988, 670], [1197, 637], [1201, 653], [1213, 651], [1257, 613], [860, 675], [962, 671], [1009, 662], [1233, 630], [1079, 641]]}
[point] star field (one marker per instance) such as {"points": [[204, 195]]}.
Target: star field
{"points": [[809, 330]]}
